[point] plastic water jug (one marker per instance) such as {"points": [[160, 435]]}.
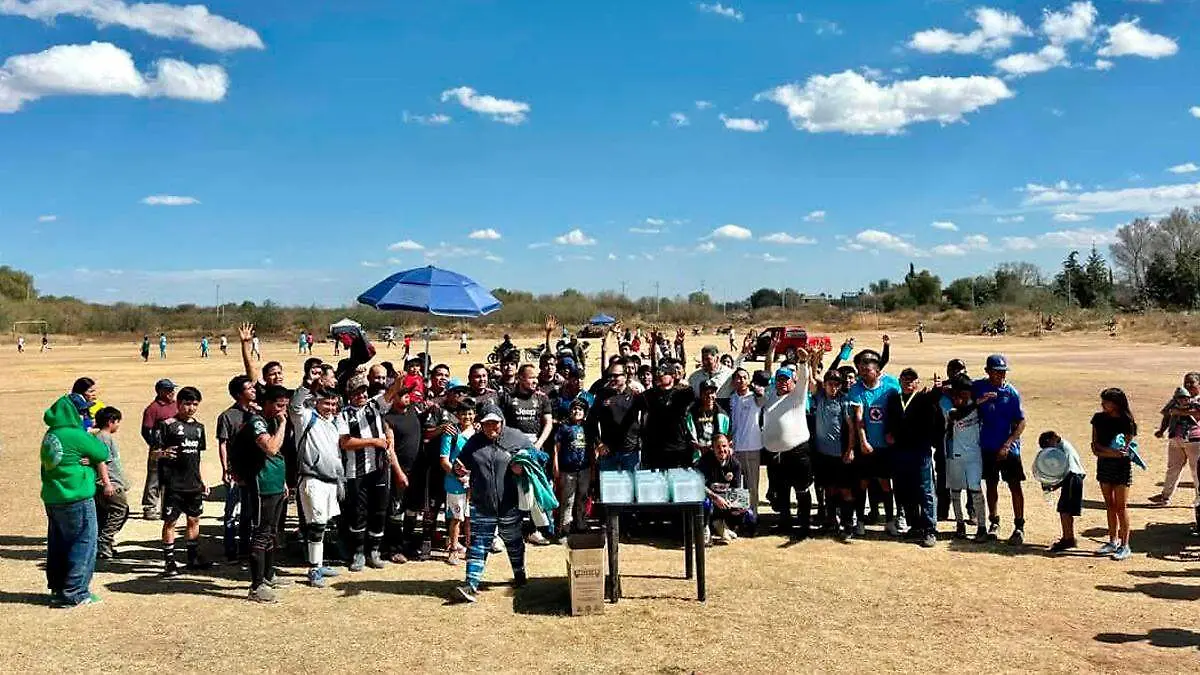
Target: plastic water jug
{"points": [[686, 485], [616, 487], [651, 487]]}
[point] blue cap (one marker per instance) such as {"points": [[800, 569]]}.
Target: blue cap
{"points": [[785, 372], [996, 362], [164, 385]]}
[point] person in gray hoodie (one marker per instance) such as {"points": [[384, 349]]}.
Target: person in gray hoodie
{"points": [[487, 459], [322, 477]]}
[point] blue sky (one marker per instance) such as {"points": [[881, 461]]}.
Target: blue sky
{"points": [[302, 150]]}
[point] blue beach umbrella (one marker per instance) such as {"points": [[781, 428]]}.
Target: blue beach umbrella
{"points": [[431, 290], [602, 320]]}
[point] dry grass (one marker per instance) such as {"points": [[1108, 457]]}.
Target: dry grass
{"points": [[814, 607]]}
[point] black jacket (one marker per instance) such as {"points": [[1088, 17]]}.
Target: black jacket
{"points": [[493, 485], [919, 426]]}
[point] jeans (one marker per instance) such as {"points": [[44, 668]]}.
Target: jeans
{"points": [[111, 514], [483, 530], [943, 492], [152, 491], [573, 500], [621, 461], [71, 549], [914, 488], [1181, 453]]}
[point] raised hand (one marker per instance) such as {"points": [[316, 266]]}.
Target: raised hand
{"points": [[551, 323], [246, 331]]}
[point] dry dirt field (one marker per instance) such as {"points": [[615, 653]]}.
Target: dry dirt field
{"points": [[819, 606]]}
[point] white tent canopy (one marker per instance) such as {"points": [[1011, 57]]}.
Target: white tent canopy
{"points": [[343, 325]]}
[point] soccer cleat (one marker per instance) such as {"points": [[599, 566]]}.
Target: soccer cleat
{"points": [[425, 552], [464, 594], [1017, 538], [993, 527], [315, 578], [519, 580], [960, 530], [171, 569], [981, 535], [357, 564], [374, 561], [1122, 553], [262, 594]]}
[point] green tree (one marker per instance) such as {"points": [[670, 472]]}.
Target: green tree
{"points": [[699, 298], [961, 293], [1099, 279], [1071, 283], [16, 285], [765, 297]]}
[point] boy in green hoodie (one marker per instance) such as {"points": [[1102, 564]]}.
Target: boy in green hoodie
{"points": [[68, 456]]}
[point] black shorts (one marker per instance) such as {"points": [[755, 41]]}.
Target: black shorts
{"points": [[1114, 471], [874, 466], [832, 473], [1070, 500], [1010, 468], [175, 504]]}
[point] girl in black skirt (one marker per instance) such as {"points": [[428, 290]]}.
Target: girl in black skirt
{"points": [[1114, 469]]}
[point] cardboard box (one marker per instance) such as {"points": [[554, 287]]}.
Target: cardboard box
{"points": [[585, 572]]}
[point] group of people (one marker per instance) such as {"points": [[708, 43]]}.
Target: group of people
{"points": [[374, 456]]}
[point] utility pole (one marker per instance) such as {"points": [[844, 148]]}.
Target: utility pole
{"points": [[622, 288], [657, 299]]}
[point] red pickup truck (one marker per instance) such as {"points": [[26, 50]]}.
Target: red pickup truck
{"points": [[791, 338]]}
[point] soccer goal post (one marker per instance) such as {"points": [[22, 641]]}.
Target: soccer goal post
{"points": [[37, 327]]}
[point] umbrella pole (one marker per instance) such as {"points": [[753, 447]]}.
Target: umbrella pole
{"points": [[425, 365]]}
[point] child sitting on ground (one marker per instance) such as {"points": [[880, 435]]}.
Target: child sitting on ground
{"points": [[721, 474], [1070, 500]]}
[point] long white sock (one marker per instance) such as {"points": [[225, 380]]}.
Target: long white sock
{"points": [[956, 502], [980, 506], [316, 553]]}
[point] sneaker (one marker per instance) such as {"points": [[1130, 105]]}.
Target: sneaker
{"points": [[425, 552], [993, 528], [708, 538], [199, 565], [1062, 545], [93, 599], [262, 594], [720, 540], [1158, 499], [1122, 553], [730, 536], [519, 580], [893, 528], [328, 571], [1108, 549], [497, 545], [276, 582], [374, 561], [901, 523], [171, 569], [453, 558], [960, 530], [1017, 538], [929, 541], [846, 535], [464, 594], [536, 539], [315, 578], [357, 564]]}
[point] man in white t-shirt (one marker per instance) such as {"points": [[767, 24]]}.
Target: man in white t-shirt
{"points": [[745, 421]]}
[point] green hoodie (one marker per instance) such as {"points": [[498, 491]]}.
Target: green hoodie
{"points": [[64, 479]]}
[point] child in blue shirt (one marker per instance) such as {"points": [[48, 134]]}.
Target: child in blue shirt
{"points": [[457, 480], [572, 468]]}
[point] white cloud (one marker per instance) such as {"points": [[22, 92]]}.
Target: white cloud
{"points": [[948, 250], [1103, 64], [877, 239], [1194, 111], [493, 258], [192, 23], [612, 256], [679, 119], [721, 10], [656, 221], [1077, 238], [498, 109], [406, 245], [827, 28], [1071, 217], [1077, 24], [1010, 219], [1127, 38], [645, 230], [975, 241], [444, 250], [540, 244], [706, 247], [1188, 167], [944, 225], [785, 238], [1147, 200], [1028, 63], [850, 103], [575, 237], [996, 31], [766, 257], [815, 217], [371, 263], [1019, 244], [487, 233], [436, 119], [47, 218], [731, 231], [743, 123], [1037, 188], [169, 200], [103, 69], [703, 105]]}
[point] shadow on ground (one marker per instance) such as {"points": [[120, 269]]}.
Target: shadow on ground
{"points": [[1170, 638]]}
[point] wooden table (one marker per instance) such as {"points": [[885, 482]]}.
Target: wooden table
{"points": [[692, 514]]}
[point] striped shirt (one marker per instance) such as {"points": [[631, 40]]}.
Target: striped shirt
{"points": [[364, 422]]}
